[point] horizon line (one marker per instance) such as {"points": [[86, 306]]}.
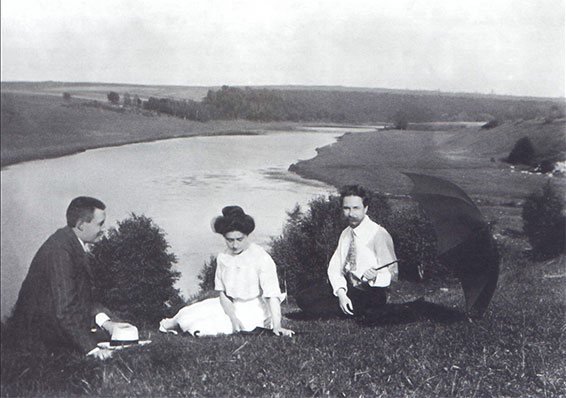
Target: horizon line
{"points": [[325, 86]]}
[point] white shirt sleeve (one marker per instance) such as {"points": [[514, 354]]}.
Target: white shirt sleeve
{"points": [[385, 254], [218, 282], [335, 275], [268, 280], [100, 318]]}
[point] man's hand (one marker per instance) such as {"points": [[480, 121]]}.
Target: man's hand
{"points": [[369, 275], [283, 332], [100, 353], [345, 302]]}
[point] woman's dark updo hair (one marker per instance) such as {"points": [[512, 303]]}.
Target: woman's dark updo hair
{"points": [[232, 219]]}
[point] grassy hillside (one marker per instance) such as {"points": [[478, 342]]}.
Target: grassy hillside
{"points": [[425, 348], [549, 139], [41, 126], [462, 155]]}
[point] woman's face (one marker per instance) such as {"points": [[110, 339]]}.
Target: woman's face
{"points": [[236, 241]]}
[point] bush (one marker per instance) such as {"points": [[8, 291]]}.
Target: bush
{"points": [[543, 222], [127, 99], [113, 97], [309, 239], [134, 275], [401, 120], [523, 152], [415, 246], [206, 275], [66, 96], [554, 112], [546, 166]]}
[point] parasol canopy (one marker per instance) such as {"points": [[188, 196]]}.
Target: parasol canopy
{"points": [[464, 239]]}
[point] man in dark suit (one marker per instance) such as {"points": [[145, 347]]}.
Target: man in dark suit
{"points": [[55, 305]]}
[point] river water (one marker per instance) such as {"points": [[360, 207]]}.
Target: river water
{"points": [[180, 183]]}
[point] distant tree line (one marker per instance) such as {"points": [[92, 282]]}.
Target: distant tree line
{"points": [[345, 107]]}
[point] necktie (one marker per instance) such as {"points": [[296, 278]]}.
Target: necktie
{"points": [[351, 256]]}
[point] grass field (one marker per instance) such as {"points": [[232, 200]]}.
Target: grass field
{"points": [[421, 348]]}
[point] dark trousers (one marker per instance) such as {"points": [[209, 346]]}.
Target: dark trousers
{"points": [[319, 299], [367, 300]]}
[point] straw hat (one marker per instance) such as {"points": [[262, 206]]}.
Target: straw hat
{"points": [[124, 335]]}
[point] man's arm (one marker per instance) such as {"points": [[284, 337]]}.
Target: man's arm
{"points": [[68, 309], [335, 274], [338, 281], [384, 254]]}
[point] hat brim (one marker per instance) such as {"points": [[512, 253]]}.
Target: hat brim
{"points": [[123, 342], [108, 345]]}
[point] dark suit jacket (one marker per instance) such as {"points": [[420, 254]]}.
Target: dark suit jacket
{"points": [[55, 303]]}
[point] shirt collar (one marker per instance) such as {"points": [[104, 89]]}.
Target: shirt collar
{"points": [[82, 244], [362, 226]]}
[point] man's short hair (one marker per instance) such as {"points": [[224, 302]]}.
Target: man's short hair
{"points": [[356, 190], [82, 208]]}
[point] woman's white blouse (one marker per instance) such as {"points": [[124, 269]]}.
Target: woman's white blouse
{"points": [[247, 275]]}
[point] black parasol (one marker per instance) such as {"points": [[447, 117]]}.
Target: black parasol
{"points": [[464, 239]]}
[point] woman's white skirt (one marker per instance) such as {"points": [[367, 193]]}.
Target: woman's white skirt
{"points": [[207, 317]]}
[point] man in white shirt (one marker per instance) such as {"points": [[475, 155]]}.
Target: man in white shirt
{"points": [[364, 246]]}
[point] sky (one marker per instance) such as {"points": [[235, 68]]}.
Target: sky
{"points": [[513, 47]]}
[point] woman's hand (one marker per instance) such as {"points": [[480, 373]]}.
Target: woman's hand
{"points": [[275, 308], [236, 324], [228, 307], [279, 331]]}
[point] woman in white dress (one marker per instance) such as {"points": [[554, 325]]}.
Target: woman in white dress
{"points": [[246, 278]]}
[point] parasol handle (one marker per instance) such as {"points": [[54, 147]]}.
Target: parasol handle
{"points": [[386, 265], [381, 267]]}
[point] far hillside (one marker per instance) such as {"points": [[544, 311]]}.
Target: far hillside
{"points": [[309, 104], [548, 139], [99, 91], [354, 107]]}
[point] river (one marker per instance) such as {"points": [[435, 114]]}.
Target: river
{"points": [[180, 183]]}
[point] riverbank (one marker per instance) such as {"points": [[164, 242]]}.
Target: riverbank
{"points": [[470, 157], [42, 126]]}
